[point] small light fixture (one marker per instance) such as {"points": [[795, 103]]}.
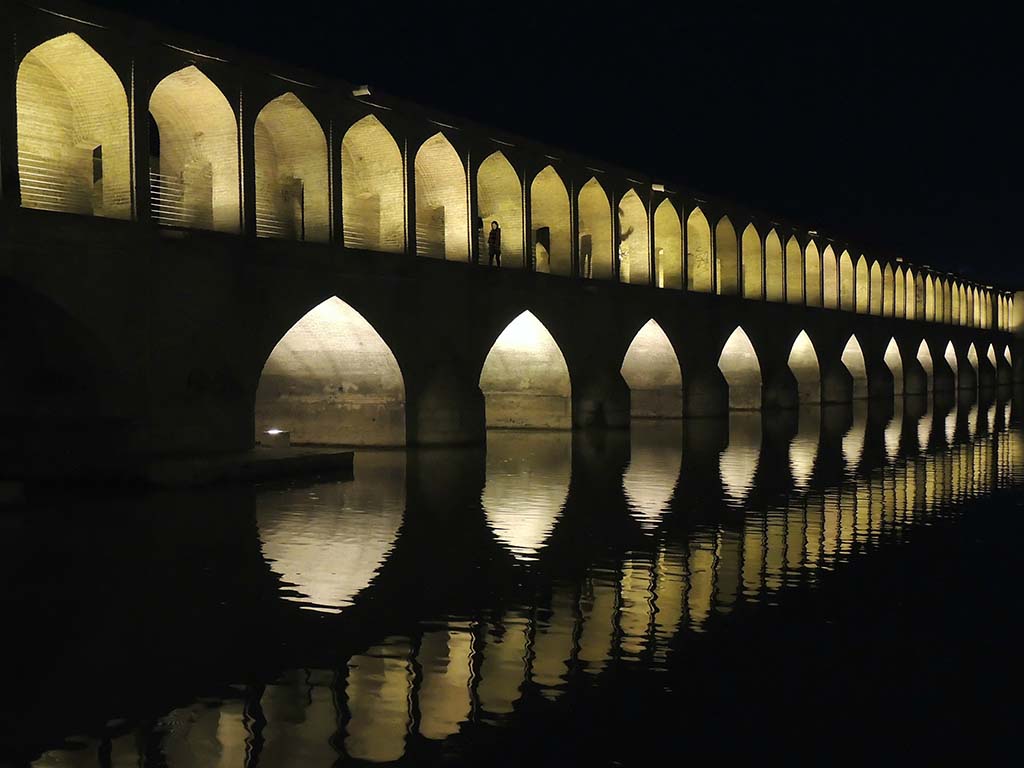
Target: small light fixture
{"points": [[362, 90], [658, 187]]}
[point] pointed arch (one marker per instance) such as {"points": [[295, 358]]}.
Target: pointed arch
{"points": [[853, 359], [668, 246], [794, 271], [888, 291], [894, 360], [698, 252], [750, 245], [847, 290], [595, 225], [911, 298], [634, 241], [862, 281], [332, 379], [940, 300], [551, 238], [920, 296], [372, 188], [900, 294], [947, 301], [73, 131], [194, 177], [292, 191], [875, 290], [829, 279], [651, 369], [954, 303], [525, 379], [442, 208], [803, 362], [929, 299], [726, 258], [812, 272], [924, 357], [972, 356], [774, 268], [742, 371], [500, 199], [950, 357]]}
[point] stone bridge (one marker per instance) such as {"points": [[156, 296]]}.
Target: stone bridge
{"points": [[199, 245]]}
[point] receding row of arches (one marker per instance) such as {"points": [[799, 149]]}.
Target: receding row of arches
{"points": [[74, 153]]}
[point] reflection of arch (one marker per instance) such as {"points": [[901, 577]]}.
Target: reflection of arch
{"points": [[894, 360], [726, 262], [194, 173], [668, 246], [738, 462], [634, 241], [899, 294], [698, 252], [875, 296], [549, 211], [751, 259], [655, 455], [651, 369], [73, 135], [812, 270], [888, 291], [803, 450], [292, 194], [853, 359], [500, 199], [525, 380], [863, 285], [794, 272], [333, 379], [924, 357], [595, 232], [373, 188], [803, 362], [742, 371], [829, 279], [442, 210], [847, 294], [774, 268]]}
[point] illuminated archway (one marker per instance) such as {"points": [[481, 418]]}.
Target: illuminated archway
{"points": [[292, 192], [803, 362], [863, 284], [991, 355], [634, 241], [742, 371], [954, 303], [668, 246], [919, 297], [751, 258], [193, 164], [774, 268], [812, 271], [972, 358], [550, 221], [950, 356], [698, 252], [853, 359], [651, 369], [929, 299], [73, 134], [924, 357], [726, 261], [875, 296], [888, 291], [847, 292], [900, 294], [332, 379], [595, 232], [442, 208], [1007, 355], [525, 379], [794, 272], [829, 279], [894, 360], [911, 296], [373, 188], [940, 300], [500, 199]]}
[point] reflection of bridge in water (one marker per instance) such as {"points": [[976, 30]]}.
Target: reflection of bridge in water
{"points": [[612, 558]]}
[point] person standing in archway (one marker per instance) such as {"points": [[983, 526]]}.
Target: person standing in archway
{"points": [[494, 245]]}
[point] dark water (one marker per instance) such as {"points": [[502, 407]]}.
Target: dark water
{"points": [[812, 588]]}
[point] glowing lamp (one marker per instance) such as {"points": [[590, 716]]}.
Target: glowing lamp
{"points": [[276, 438], [658, 187], [362, 90]]}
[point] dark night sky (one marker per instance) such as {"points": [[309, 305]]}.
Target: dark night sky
{"points": [[891, 128]]}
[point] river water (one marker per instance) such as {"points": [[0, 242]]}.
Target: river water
{"points": [[811, 585]]}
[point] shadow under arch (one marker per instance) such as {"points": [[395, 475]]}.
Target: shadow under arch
{"points": [[651, 369], [332, 379], [739, 365], [803, 362], [525, 379]]}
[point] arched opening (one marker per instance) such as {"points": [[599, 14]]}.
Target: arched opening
{"points": [[634, 241], [829, 279], [894, 360], [595, 232], [924, 357], [373, 188], [551, 238], [900, 296], [1007, 355], [750, 246], [991, 355], [863, 286], [668, 246], [929, 299], [726, 261], [972, 358], [525, 379], [847, 294], [911, 298], [774, 268], [794, 272], [947, 301], [698, 252], [742, 371], [940, 307], [950, 356], [193, 164], [73, 134], [919, 297], [500, 199], [442, 209], [332, 379], [888, 291], [875, 297], [292, 191], [812, 272], [803, 362], [954, 303], [853, 359], [651, 369]]}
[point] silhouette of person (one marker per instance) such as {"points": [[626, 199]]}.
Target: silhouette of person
{"points": [[494, 245]]}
